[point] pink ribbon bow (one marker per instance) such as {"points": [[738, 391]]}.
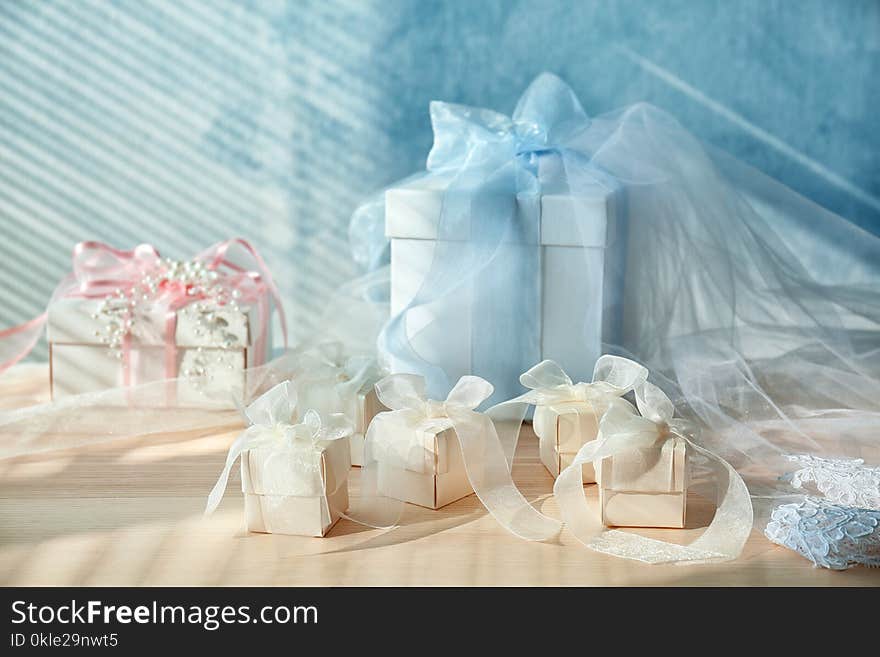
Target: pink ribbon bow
{"points": [[99, 270]]}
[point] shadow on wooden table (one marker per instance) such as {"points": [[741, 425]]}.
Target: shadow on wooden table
{"points": [[114, 476]]}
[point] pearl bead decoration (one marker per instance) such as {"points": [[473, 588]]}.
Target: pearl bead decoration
{"points": [[121, 312]]}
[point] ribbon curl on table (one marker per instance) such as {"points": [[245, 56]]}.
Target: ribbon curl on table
{"points": [[613, 377], [489, 229], [273, 423], [100, 271], [391, 442], [622, 430]]}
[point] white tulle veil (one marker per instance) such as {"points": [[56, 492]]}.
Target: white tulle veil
{"points": [[757, 311]]}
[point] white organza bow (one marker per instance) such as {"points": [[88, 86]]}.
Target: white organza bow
{"points": [[273, 423], [613, 377], [393, 441], [622, 430]]}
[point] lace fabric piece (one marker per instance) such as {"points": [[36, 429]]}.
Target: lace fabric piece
{"points": [[828, 534], [847, 482]]}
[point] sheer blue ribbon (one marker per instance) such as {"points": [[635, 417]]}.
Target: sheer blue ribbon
{"points": [[488, 235]]}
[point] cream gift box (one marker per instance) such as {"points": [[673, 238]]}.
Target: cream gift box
{"points": [[294, 466], [567, 414], [367, 406], [432, 452], [645, 487], [581, 252], [643, 473], [274, 502], [334, 382], [562, 429], [434, 474], [213, 346]]}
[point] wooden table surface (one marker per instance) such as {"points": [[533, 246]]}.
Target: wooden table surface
{"points": [[130, 513]]}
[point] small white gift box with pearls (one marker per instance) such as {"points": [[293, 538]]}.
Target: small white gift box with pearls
{"points": [[213, 347]]}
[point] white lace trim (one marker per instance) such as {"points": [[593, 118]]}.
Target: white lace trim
{"points": [[829, 535], [848, 482]]}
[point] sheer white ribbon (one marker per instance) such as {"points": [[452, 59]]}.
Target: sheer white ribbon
{"points": [[613, 377], [621, 430], [392, 441], [297, 446]]}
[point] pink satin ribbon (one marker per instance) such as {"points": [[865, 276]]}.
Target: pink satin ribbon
{"points": [[99, 270]]}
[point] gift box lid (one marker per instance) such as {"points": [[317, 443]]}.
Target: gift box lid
{"points": [[423, 448], [75, 320], [585, 219]]}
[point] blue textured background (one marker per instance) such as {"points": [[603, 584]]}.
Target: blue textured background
{"points": [[183, 123]]}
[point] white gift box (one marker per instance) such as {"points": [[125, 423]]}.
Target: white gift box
{"points": [[367, 406], [645, 487], [562, 429], [222, 349], [434, 474], [581, 251], [274, 499]]}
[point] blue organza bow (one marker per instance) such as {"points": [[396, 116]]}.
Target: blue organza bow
{"points": [[493, 169], [547, 117]]}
